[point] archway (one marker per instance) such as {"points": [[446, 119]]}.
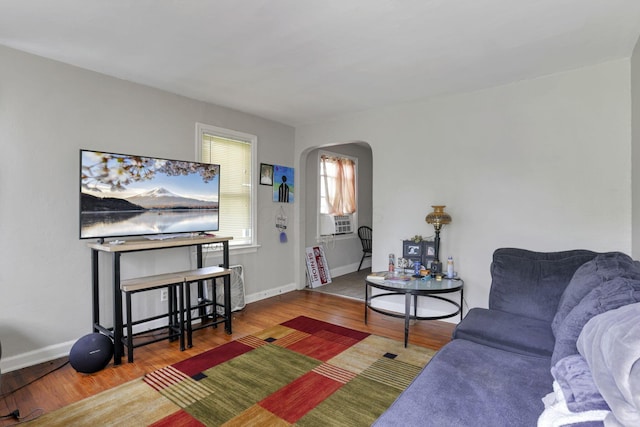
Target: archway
{"points": [[343, 252]]}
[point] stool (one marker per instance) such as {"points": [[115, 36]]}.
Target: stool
{"points": [[199, 276], [174, 283]]}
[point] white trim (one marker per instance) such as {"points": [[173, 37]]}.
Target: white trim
{"points": [[270, 293], [34, 357], [350, 268]]}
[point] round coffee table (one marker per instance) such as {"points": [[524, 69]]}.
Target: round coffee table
{"points": [[412, 286]]}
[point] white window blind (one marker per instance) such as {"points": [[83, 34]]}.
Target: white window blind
{"points": [[235, 157]]}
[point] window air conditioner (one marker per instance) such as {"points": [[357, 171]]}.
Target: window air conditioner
{"points": [[335, 224]]}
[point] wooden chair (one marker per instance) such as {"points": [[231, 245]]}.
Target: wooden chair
{"points": [[364, 233]]}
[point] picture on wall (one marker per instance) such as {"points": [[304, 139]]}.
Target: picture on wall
{"points": [[266, 174], [283, 186]]}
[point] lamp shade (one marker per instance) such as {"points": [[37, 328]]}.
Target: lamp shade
{"points": [[438, 217]]}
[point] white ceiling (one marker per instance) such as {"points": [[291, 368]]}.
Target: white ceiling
{"points": [[301, 61]]}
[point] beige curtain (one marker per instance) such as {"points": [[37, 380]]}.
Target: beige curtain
{"points": [[339, 183]]}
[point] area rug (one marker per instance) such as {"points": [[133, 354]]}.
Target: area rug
{"points": [[302, 372]]}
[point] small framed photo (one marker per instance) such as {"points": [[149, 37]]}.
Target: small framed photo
{"points": [[430, 249], [411, 249], [266, 174]]}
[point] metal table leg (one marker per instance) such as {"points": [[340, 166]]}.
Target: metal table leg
{"points": [[366, 301], [407, 315], [117, 311]]}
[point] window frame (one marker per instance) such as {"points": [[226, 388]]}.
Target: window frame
{"points": [[252, 140]]}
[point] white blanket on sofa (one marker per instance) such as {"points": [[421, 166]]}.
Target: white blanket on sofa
{"points": [[557, 414], [610, 343]]}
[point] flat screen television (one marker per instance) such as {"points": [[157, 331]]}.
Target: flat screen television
{"points": [[129, 195]]}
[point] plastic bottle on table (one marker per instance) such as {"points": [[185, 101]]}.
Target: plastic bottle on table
{"points": [[450, 272]]}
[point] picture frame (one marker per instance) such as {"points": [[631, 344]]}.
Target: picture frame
{"points": [[266, 174], [429, 249], [429, 253], [411, 249], [423, 251], [283, 185]]}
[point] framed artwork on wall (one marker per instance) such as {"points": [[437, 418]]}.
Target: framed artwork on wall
{"points": [[266, 174], [283, 186]]}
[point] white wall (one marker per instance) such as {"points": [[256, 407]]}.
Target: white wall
{"points": [[635, 135], [48, 111], [541, 164]]}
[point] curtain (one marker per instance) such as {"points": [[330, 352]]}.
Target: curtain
{"points": [[339, 184]]}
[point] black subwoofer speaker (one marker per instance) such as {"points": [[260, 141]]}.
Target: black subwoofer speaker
{"points": [[91, 353]]}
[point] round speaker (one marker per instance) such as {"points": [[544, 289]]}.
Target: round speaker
{"points": [[91, 353]]}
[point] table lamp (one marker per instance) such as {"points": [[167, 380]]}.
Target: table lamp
{"points": [[438, 218]]}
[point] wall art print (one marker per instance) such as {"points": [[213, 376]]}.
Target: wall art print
{"points": [[283, 186]]}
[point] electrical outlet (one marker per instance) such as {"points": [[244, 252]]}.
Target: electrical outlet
{"points": [[164, 295]]}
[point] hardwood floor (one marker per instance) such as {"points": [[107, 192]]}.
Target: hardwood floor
{"points": [[64, 385]]}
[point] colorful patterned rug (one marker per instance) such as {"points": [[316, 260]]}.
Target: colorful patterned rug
{"points": [[302, 372]]}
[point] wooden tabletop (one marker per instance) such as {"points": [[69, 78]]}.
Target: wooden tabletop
{"points": [[144, 244]]}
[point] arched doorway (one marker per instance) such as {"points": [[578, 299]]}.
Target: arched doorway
{"points": [[343, 252]]}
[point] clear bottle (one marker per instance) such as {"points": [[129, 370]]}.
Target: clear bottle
{"points": [[450, 272]]}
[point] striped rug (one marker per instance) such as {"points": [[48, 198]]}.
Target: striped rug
{"points": [[303, 372]]}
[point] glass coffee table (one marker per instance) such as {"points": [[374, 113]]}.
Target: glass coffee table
{"points": [[415, 287]]}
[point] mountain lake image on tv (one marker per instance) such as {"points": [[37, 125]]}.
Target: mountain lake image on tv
{"points": [[127, 195]]}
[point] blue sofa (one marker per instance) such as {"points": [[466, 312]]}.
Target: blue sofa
{"points": [[514, 363]]}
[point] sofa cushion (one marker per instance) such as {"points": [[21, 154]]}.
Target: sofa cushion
{"points": [[468, 384], [607, 296], [602, 268], [530, 283], [507, 331]]}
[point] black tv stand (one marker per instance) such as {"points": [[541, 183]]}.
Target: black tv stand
{"points": [[116, 251]]}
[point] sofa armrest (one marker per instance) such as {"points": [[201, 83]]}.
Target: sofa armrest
{"points": [[530, 283]]}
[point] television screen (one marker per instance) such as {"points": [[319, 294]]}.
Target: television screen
{"points": [[127, 195]]}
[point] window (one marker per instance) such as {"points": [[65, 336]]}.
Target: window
{"points": [[338, 193], [235, 153]]}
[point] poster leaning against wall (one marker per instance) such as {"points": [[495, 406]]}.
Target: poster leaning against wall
{"points": [[317, 267]]}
